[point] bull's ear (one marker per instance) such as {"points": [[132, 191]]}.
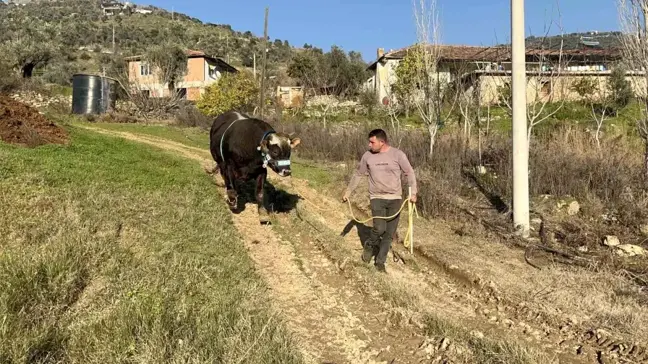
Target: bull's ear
{"points": [[294, 142], [264, 146]]}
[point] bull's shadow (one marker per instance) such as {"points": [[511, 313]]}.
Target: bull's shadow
{"points": [[275, 200], [364, 231]]}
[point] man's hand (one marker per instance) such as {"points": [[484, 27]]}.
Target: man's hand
{"points": [[346, 196], [413, 198]]}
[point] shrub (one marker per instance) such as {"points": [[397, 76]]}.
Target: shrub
{"points": [[562, 163], [367, 99], [189, 115], [60, 73], [9, 80], [620, 89], [237, 91]]}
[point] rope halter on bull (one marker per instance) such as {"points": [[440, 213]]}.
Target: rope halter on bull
{"points": [[280, 164]]}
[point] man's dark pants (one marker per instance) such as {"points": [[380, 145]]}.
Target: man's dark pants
{"points": [[383, 230]]}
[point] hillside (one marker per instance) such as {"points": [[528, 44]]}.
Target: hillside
{"points": [[71, 36], [598, 40]]}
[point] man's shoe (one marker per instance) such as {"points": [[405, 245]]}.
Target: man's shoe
{"points": [[381, 268]]}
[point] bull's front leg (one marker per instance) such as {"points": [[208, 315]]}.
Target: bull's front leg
{"points": [[259, 193], [232, 196]]}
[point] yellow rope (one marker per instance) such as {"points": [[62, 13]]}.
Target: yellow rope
{"points": [[377, 217], [410, 222]]}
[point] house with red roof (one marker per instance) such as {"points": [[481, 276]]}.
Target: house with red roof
{"points": [[202, 71]]}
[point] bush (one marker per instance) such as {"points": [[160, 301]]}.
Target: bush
{"points": [[620, 89], [189, 115], [367, 99], [60, 73], [562, 163], [233, 91], [9, 80]]}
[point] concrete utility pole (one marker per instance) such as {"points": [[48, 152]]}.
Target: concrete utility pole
{"points": [[520, 144], [263, 67]]}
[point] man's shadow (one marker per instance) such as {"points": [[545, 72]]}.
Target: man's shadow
{"points": [[364, 232], [275, 200]]}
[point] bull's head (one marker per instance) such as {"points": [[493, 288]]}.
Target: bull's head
{"points": [[277, 148]]}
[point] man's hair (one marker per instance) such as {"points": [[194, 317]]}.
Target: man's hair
{"points": [[379, 134]]}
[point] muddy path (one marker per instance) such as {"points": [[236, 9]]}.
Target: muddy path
{"points": [[330, 317], [342, 311]]}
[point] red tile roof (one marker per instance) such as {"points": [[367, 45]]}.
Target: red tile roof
{"points": [[496, 54], [190, 53]]}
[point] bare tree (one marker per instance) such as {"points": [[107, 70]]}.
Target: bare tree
{"points": [[322, 89], [313, 70], [137, 94], [481, 118], [428, 54], [169, 63], [598, 100], [633, 16], [395, 106], [465, 87]]}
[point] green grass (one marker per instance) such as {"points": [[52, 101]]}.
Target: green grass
{"points": [[316, 175], [116, 252], [61, 90], [570, 114], [193, 137]]}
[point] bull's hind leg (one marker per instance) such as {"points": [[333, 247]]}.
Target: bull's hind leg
{"points": [[259, 193]]}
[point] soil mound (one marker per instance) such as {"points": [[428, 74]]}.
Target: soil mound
{"points": [[23, 125]]}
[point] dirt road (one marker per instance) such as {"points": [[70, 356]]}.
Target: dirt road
{"points": [[460, 298]]}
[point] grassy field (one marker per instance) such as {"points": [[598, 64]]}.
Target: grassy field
{"points": [[316, 175], [193, 137], [117, 252]]}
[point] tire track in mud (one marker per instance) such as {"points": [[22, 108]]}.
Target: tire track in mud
{"points": [[331, 320]]}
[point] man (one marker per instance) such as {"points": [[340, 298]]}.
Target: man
{"points": [[383, 163]]}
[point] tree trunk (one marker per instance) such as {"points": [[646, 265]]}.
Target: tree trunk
{"points": [[28, 70], [479, 142], [488, 119], [432, 130]]}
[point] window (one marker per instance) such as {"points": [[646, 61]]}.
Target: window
{"points": [[145, 69], [546, 87], [213, 72]]}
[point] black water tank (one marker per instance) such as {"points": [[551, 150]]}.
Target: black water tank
{"points": [[92, 94]]}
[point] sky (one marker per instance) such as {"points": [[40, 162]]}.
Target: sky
{"points": [[365, 26]]}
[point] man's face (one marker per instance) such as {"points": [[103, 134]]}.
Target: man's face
{"points": [[375, 144]]}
